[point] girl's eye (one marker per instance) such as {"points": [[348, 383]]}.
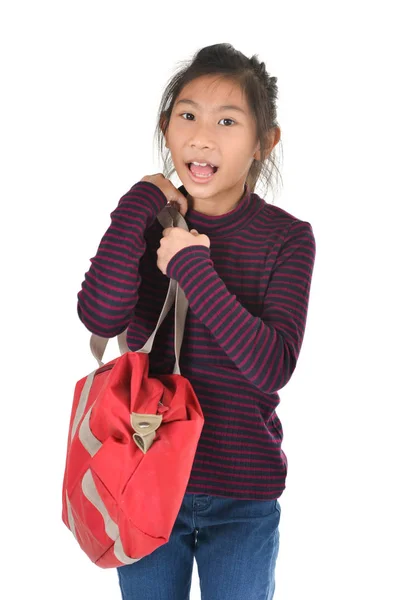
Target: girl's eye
{"points": [[186, 113]]}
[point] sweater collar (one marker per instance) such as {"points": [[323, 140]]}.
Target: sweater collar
{"points": [[226, 223]]}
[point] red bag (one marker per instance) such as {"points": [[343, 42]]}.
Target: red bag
{"points": [[131, 445]]}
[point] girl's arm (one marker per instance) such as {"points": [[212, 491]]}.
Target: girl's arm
{"points": [[110, 289], [264, 349]]}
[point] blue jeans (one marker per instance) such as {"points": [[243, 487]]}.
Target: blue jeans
{"points": [[235, 543]]}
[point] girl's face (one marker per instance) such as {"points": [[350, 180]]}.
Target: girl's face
{"points": [[201, 130]]}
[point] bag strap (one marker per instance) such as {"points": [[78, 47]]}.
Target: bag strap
{"points": [[168, 217]]}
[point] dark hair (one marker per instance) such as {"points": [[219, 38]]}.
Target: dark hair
{"points": [[259, 88]]}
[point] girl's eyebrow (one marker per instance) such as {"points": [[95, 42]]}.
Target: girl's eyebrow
{"points": [[218, 108]]}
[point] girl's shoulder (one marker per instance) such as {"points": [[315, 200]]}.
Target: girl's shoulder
{"points": [[280, 216]]}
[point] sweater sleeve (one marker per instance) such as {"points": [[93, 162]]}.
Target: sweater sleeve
{"points": [[265, 349], [110, 289]]}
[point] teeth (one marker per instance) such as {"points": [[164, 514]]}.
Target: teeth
{"points": [[202, 164]]}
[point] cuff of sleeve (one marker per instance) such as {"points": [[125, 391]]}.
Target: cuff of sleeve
{"points": [[193, 258], [157, 198]]}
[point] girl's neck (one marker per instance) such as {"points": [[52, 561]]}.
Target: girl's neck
{"points": [[211, 209]]}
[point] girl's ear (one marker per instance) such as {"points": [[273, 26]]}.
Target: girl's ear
{"points": [[271, 139], [163, 123], [163, 127]]}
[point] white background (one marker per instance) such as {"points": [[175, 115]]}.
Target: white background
{"points": [[81, 84]]}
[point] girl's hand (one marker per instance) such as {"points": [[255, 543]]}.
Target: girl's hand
{"points": [[173, 240], [174, 196]]}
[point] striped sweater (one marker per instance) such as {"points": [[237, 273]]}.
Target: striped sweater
{"points": [[248, 299]]}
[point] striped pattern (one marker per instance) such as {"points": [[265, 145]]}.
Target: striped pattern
{"points": [[248, 298]]}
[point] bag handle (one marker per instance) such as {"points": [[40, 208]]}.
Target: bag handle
{"points": [[168, 217]]}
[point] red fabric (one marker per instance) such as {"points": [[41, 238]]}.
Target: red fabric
{"points": [[142, 492]]}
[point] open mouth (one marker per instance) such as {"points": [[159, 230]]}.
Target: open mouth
{"points": [[200, 177]]}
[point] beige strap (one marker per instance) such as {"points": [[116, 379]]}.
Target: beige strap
{"points": [[111, 528], [168, 217]]}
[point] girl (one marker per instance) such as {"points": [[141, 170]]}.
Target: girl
{"points": [[245, 267]]}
